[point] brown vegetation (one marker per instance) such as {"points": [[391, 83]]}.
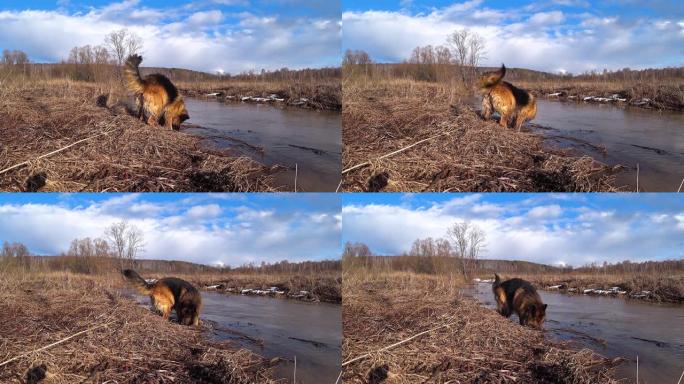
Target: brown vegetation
{"points": [[656, 281], [103, 336], [407, 135], [655, 287], [308, 88], [435, 335], [113, 151], [650, 88]]}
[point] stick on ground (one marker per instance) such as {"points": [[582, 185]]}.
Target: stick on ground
{"points": [[387, 348], [53, 344], [56, 151]]}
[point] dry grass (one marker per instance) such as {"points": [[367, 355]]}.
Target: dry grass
{"points": [[662, 287], [40, 117], [663, 94], [133, 345], [319, 93], [477, 346], [463, 152]]}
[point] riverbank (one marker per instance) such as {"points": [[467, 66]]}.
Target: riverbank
{"points": [[659, 288], [74, 328], [429, 331], [70, 136], [322, 94], [659, 96], [324, 287], [404, 135]]}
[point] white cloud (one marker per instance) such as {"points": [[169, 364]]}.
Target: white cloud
{"points": [[204, 211], [547, 18], [533, 230], [549, 40], [545, 211], [208, 17], [201, 40], [202, 233]]}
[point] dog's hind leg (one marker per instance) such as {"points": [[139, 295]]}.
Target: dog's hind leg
{"points": [[504, 120], [486, 107]]}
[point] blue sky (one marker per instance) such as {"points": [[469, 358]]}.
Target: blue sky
{"points": [[208, 35], [231, 229], [559, 229], [554, 35]]}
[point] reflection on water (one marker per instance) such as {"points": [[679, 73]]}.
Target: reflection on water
{"points": [[615, 328], [631, 136], [285, 136]]}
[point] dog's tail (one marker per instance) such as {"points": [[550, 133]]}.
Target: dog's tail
{"points": [[497, 280], [137, 281], [134, 81], [490, 79]]}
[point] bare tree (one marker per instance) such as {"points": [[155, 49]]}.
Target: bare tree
{"points": [[468, 50], [123, 43], [469, 241], [126, 239]]}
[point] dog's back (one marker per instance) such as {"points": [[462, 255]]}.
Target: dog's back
{"points": [[170, 293], [156, 96], [519, 296], [513, 104]]}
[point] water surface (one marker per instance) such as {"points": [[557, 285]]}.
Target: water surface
{"points": [[620, 135], [310, 141]]}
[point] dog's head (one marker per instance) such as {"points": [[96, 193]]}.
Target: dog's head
{"points": [[176, 114], [536, 315], [189, 307]]}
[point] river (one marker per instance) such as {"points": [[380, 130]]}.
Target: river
{"points": [[308, 143]]}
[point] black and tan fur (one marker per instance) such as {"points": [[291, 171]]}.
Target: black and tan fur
{"points": [[514, 105], [519, 296], [157, 99], [168, 294]]}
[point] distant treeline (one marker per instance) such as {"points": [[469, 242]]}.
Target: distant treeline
{"points": [[440, 72], [94, 72], [443, 256], [439, 265], [102, 265]]}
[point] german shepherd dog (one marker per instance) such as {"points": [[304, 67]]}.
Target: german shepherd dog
{"points": [[513, 104], [170, 293], [519, 296], [156, 98]]}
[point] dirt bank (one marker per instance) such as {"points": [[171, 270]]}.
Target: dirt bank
{"points": [[102, 148], [465, 342], [112, 338], [403, 135]]}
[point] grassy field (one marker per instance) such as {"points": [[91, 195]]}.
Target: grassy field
{"points": [[430, 333], [415, 136], [76, 328]]}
